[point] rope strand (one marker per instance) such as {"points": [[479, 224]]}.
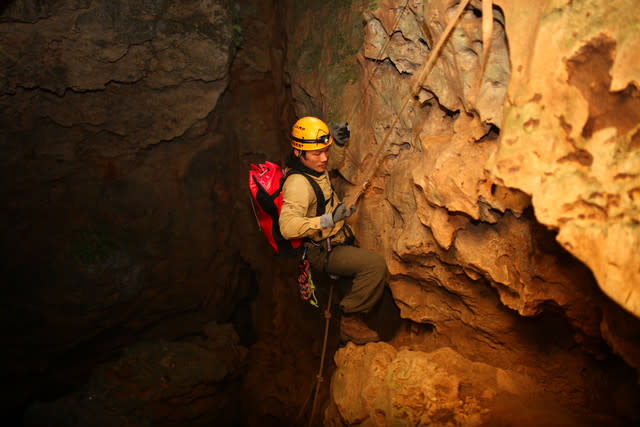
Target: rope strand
{"points": [[415, 88], [319, 379], [378, 61], [419, 80]]}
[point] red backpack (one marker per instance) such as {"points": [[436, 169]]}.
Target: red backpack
{"points": [[265, 185]]}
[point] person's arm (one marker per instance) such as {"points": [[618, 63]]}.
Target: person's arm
{"points": [[297, 200], [341, 135], [336, 157]]}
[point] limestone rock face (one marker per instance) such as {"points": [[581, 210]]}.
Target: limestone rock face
{"points": [[570, 133], [458, 78], [455, 224], [378, 385], [437, 177], [88, 64]]}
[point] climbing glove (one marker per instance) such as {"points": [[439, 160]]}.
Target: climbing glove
{"points": [[341, 212], [341, 133]]}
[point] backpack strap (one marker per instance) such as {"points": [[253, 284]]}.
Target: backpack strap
{"points": [[321, 203]]}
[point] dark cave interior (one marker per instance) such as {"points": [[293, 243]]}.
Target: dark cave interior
{"points": [[138, 289]]}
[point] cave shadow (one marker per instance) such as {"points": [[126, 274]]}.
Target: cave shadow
{"points": [[4, 4], [384, 317]]}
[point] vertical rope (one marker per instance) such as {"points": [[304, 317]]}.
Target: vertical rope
{"points": [[487, 32], [319, 379], [377, 60], [433, 54], [421, 77]]}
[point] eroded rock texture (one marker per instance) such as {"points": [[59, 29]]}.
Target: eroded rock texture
{"points": [[467, 244], [502, 196], [127, 131], [570, 134], [378, 385], [110, 173]]}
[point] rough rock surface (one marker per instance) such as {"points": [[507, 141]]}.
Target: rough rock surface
{"points": [[471, 227], [570, 135], [111, 177], [127, 129], [191, 382], [379, 385], [466, 248], [78, 61]]}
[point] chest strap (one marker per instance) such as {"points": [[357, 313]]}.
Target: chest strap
{"points": [[321, 202]]}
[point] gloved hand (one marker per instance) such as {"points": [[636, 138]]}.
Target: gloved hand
{"points": [[341, 133], [330, 219]]}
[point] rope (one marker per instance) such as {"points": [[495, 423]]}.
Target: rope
{"points": [[487, 32], [416, 87], [414, 90], [436, 50], [378, 59], [319, 379], [327, 312]]}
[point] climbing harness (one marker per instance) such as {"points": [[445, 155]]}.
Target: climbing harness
{"points": [[305, 282]]}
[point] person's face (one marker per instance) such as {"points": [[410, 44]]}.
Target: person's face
{"points": [[315, 160]]}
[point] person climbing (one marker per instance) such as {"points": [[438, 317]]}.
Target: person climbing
{"points": [[329, 242]]}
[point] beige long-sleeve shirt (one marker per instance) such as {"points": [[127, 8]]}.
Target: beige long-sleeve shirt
{"points": [[298, 214]]}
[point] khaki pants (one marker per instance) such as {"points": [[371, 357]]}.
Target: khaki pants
{"points": [[367, 269]]}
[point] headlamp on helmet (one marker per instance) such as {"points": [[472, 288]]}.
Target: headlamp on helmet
{"points": [[310, 133]]}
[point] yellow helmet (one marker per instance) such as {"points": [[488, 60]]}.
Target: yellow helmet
{"points": [[310, 133]]}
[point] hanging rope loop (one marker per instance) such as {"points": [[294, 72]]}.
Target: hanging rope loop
{"points": [[305, 283]]}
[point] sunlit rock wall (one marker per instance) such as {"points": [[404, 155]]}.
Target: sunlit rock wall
{"points": [[570, 133], [569, 139], [473, 246]]}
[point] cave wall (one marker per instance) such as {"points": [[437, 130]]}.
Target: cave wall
{"points": [[477, 253], [578, 119], [127, 130], [115, 181], [434, 203]]}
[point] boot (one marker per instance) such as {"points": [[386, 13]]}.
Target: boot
{"points": [[353, 328]]}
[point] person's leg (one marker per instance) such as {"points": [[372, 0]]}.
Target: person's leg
{"points": [[368, 270]]}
